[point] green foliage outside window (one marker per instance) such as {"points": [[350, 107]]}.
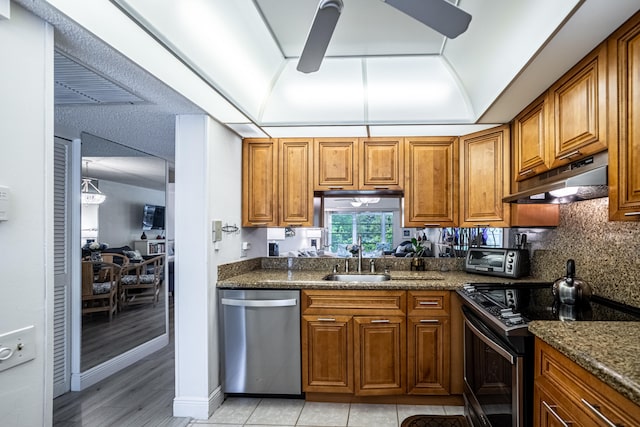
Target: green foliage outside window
{"points": [[375, 228]]}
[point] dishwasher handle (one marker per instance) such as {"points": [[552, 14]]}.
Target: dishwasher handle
{"points": [[259, 302]]}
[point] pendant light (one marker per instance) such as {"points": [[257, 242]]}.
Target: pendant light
{"points": [[90, 193]]}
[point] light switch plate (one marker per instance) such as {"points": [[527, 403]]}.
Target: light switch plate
{"points": [[17, 347], [4, 203]]}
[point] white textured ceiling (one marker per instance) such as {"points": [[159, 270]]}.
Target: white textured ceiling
{"points": [[511, 53]]}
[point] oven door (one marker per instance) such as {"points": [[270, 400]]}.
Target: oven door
{"points": [[493, 376]]}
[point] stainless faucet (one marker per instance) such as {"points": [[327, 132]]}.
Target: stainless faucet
{"points": [[359, 254]]}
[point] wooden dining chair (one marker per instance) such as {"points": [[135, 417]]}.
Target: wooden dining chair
{"points": [[141, 282], [99, 287]]}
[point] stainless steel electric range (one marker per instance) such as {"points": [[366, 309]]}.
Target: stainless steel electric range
{"points": [[498, 347]]}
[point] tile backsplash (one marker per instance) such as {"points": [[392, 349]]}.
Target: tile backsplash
{"points": [[607, 254]]}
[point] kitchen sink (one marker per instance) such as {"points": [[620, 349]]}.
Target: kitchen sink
{"points": [[346, 277]]}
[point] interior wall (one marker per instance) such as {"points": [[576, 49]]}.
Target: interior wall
{"points": [[26, 167], [120, 215], [207, 188]]}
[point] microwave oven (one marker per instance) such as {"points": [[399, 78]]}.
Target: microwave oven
{"points": [[502, 262]]}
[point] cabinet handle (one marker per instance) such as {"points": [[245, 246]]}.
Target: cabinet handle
{"points": [[429, 321], [527, 172], [596, 410], [258, 223], [551, 409], [569, 155], [632, 213], [294, 225], [428, 303], [381, 321], [386, 187], [335, 187], [326, 319], [432, 225]]}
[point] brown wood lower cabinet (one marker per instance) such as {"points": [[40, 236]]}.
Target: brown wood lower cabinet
{"points": [[378, 343], [380, 355], [567, 394]]}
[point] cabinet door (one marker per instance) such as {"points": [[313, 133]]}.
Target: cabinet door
{"points": [[484, 178], [379, 355], [624, 129], [530, 156], [578, 113], [547, 413], [428, 344], [431, 182], [259, 183], [327, 354], [381, 164], [296, 190], [336, 164]]}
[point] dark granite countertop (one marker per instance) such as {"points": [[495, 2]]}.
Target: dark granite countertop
{"points": [[313, 279], [609, 350]]}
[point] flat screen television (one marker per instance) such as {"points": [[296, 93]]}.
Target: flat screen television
{"points": [[153, 217]]}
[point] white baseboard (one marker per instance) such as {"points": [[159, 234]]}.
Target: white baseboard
{"points": [[82, 380], [198, 408]]}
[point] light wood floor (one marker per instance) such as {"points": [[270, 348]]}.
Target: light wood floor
{"points": [[141, 395]]}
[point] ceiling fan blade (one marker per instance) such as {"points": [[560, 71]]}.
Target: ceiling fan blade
{"points": [[319, 35], [442, 16]]}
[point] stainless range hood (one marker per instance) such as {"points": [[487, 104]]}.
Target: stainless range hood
{"points": [[581, 180]]}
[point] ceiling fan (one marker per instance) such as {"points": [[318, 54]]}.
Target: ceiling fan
{"points": [[440, 15]]}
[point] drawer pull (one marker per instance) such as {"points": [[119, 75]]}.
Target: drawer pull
{"points": [[596, 410], [326, 319], [429, 303], [527, 172], [429, 321], [569, 155], [432, 225], [381, 321], [335, 187], [381, 187], [632, 213], [551, 409]]}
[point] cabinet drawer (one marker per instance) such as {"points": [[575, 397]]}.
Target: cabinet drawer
{"points": [[428, 303], [353, 302], [595, 399]]}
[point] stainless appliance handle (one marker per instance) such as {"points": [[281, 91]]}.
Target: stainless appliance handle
{"points": [[259, 302], [489, 342], [555, 414], [596, 410]]}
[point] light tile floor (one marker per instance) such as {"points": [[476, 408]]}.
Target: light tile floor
{"points": [[257, 412]]}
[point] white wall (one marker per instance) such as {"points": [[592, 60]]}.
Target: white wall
{"points": [[26, 240], [120, 215], [207, 188]]}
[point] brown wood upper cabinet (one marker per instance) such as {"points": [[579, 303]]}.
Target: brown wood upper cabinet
{"points": [[624, 104], [336, 164], [431, 182], [484, 178], [578, 110], [358, 164], [259, 183], [381, 164], [567, 122], [530, 154], [277, 182]]}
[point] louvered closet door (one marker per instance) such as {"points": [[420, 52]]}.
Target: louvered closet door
{"points": [[62, 270]]}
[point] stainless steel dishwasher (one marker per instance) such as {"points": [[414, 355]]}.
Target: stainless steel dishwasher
{"points": [[261, 341]]}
